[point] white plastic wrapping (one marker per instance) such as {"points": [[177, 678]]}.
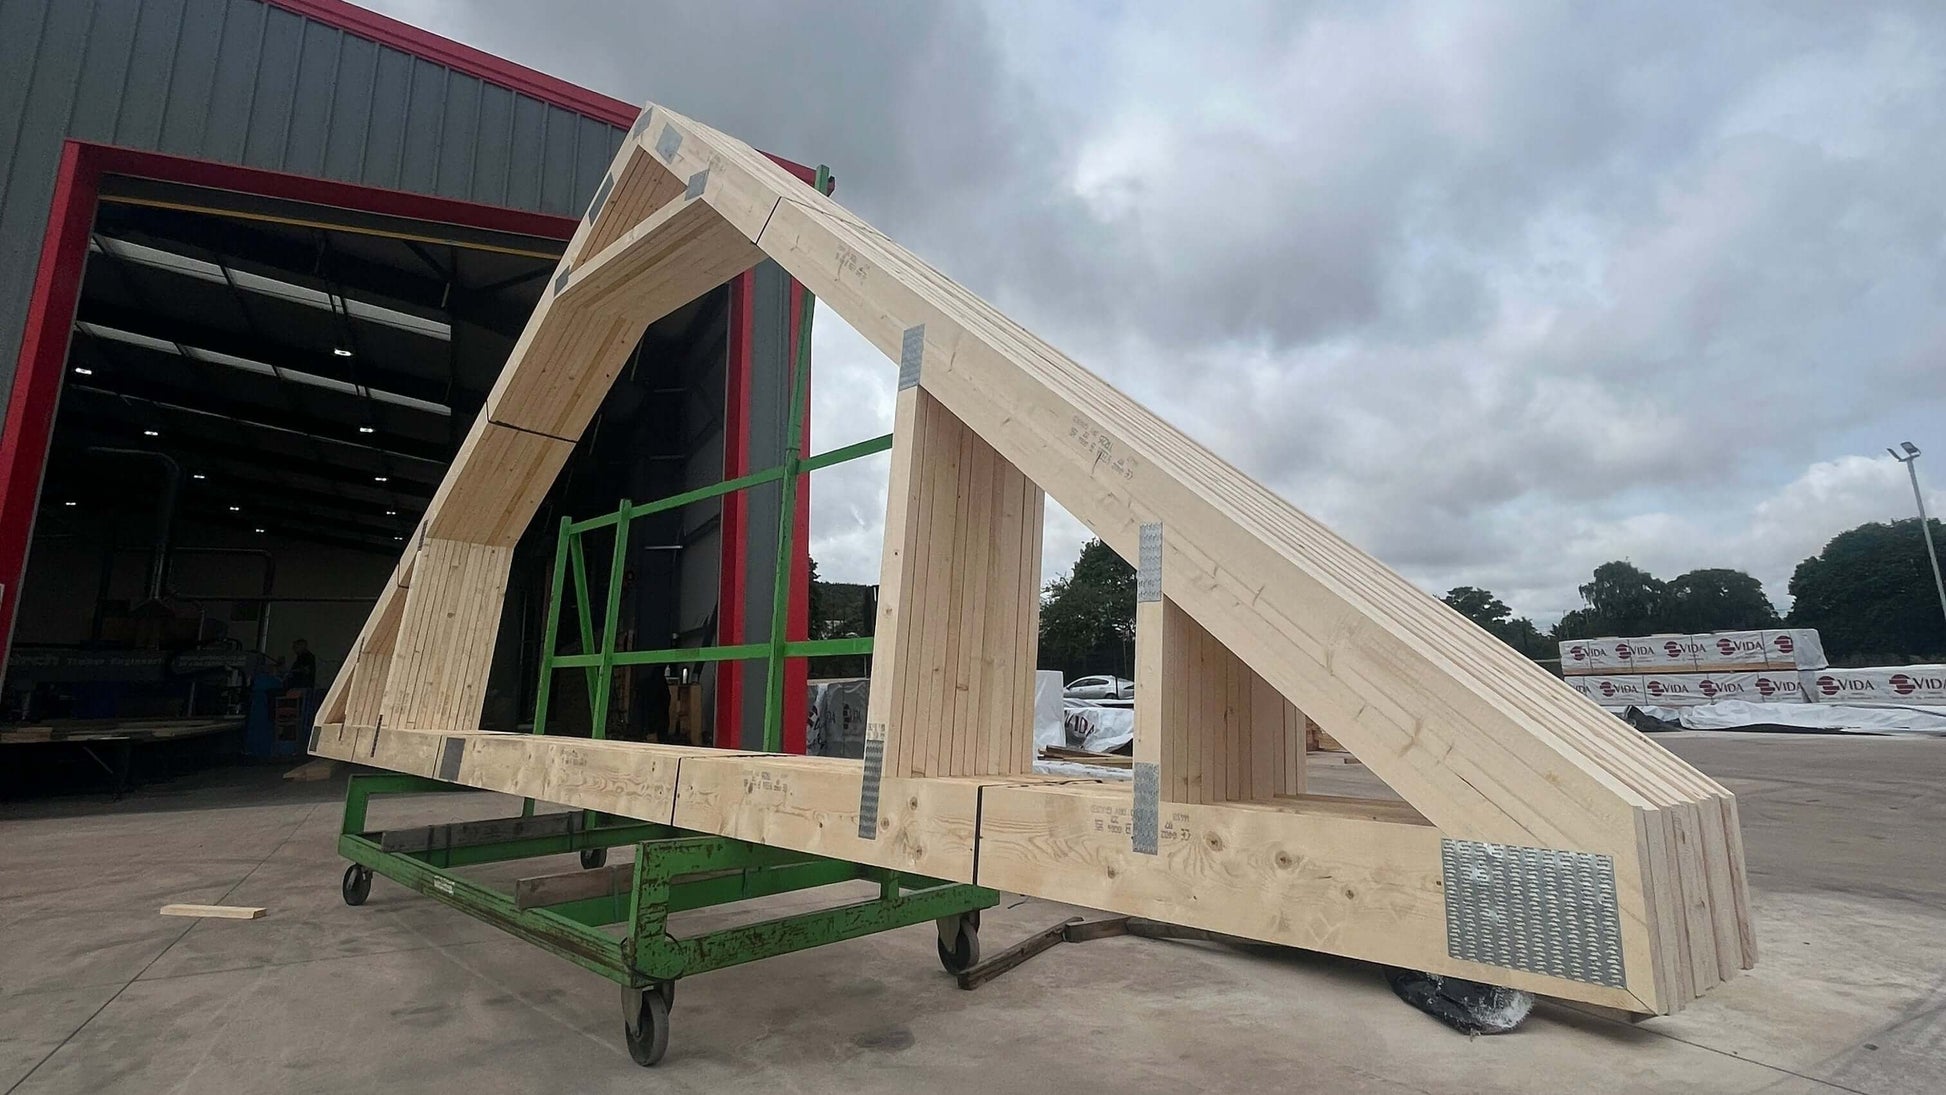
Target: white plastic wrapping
{"points": [[1673, 689], [1794, 648], [1736, 715], [1902, 684], [1732, 651], [1611, 689], [1047, 709], [1789, 648], [1099, 726]]}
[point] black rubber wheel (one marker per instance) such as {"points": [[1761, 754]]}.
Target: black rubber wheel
{"points": [[966, 950], [668, 991], [648, 1035], [357, 885], [593, 857]]}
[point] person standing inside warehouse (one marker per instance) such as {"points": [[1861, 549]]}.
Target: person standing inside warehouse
{"points": [[304, 668]]}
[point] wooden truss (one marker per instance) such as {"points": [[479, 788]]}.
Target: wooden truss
{"points": [[1540, 843]]}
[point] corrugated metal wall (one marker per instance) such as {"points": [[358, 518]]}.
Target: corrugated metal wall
{"points": [[244, 82]]}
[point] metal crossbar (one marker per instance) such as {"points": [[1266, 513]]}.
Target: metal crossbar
{"points": [[599, 656]]}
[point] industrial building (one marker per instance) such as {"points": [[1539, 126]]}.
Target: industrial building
{"points": [[267, 258]]}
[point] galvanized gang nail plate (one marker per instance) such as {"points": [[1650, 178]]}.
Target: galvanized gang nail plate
{"points": [[912, 355], [1148, 790], [668, 142], [1533, 909], [874, 771], [1148, 571]]}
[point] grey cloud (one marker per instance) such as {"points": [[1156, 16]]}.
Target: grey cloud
{"points": [[1498, 291]]}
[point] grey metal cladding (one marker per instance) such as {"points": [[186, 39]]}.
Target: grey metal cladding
{"points": [[243, 81], [1533, 909], [1148, 570]]}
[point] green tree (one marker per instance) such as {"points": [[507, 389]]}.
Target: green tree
{"points": [[1627, 597], [1715, 600], [1491, 613], [1478, 605], [1582, 623], [1088, 617], [1870, 592], [815, 597]]}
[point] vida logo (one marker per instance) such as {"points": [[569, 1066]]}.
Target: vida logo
{"points": [[1905, 684]]}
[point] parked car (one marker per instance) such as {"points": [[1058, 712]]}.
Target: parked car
{"points": [[1099, 688]]}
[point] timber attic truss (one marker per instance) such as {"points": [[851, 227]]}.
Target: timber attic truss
{"points": [[1541, 843]]}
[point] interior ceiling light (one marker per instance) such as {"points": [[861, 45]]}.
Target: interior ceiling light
{"points": [[77, 503], [271, 287], [340, 351], [226, 421], [366, 429], [150, 433], [381, 479], [391, 513], [83, 370], [197, 475], [295, 376], [236, 509], [259, 530]]}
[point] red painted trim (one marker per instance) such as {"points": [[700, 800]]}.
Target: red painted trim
{"points": [[731, 528], [438, 49], [797, 618], [458, 56], [38, 374], [114, 160]]}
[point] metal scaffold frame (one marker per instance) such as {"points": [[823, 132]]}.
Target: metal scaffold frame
{"points": [[570, 558], [675, 870]]}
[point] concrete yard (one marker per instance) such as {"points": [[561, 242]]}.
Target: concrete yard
{"points": [[98, 993]]}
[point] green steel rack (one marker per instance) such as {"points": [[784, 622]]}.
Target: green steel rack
{"points": [[675, 870]]}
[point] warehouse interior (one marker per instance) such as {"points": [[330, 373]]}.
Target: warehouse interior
{"points": [[260, 398]]}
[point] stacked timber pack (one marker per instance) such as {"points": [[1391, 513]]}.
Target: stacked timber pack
{"points": [[1687, 670], [1534, 841]]}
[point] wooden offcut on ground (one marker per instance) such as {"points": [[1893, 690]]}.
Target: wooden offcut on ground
{"points": [[1540, 843]]}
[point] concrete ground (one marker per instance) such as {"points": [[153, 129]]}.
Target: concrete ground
{"points": [[100, 994]]}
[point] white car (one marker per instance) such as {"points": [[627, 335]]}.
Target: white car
{"points": [[1099, 688]]}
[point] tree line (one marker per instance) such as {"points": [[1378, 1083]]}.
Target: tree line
{"points": [[1869, 593]]}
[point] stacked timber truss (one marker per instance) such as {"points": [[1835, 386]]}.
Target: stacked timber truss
{"points": [[1537, 842]]}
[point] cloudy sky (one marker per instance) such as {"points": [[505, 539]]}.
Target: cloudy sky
{"points": [[1499, 291]]}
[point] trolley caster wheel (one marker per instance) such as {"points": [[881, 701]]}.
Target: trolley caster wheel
{"points": [[593, 857], [645, 1022], [358, 884], [959, 943]]}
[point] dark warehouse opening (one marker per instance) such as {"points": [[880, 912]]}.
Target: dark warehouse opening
{"points": [[259, 399]]}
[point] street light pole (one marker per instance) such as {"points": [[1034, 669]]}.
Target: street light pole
{"points": [[1910, 460]]}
